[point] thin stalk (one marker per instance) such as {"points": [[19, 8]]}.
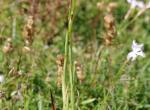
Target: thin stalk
{"points": [[71, 78], [121, 69], [71, 14], [64, 73], [68, 59]]}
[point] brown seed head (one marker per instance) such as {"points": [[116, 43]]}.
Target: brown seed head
{"points": [[101, 5], [112, 6], [109, 23], [28, 31], [60, 64], [30, 22], [60, 60], [109, 19], [8, 47], [79, 71]]}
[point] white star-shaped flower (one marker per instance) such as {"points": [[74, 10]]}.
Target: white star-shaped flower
{"points": [[137, 50], [138, 4]]}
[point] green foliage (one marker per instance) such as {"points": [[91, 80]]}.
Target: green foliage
{"points": [[103, 66]]}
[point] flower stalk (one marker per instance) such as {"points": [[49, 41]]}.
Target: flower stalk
{"points": [[68, 63]]}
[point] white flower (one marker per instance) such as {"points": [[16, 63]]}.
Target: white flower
{"points": [[1, 78], [138, 4], [137, 50]]}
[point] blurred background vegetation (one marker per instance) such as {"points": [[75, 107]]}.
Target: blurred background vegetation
{"points": [[31, 75]]}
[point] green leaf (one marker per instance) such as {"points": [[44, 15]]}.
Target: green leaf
{"points": [[88, 101]]}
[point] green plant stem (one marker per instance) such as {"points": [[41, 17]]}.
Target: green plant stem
{"points": [[121, 69], [64, 74], [70, 56], [71, 80], [68, 59]]}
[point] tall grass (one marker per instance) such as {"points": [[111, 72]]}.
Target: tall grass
{"points": [[68, 63]]}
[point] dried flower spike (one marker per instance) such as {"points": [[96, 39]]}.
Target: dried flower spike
{"points": [[101, 5], [112, 6], [110, 28], [79, 71], [60, 63], [28, 31], [8, 47], [108, 7]]}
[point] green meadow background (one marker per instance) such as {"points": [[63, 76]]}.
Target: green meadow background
{"points": [[109, 83]]}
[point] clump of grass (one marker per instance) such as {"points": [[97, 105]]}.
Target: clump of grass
{"points": [[68, 63]]}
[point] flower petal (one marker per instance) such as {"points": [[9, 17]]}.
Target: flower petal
{"points": [[142, 54], [131, 56]]}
